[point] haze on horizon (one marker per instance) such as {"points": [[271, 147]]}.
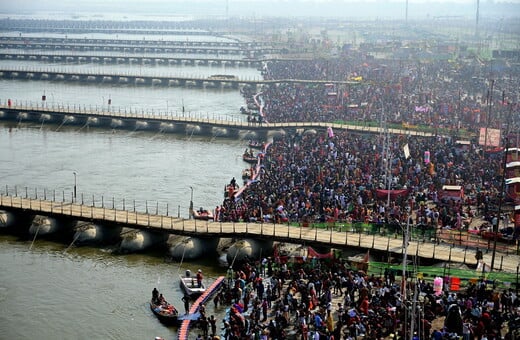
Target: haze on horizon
{"points": [[354, 9]]}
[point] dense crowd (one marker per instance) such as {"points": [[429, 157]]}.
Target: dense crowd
{"points": [[327, 299], [436, 93], [323, 178], [335, 176]]}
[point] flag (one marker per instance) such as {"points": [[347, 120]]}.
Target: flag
{"points": [[330, 132], [483, 267], [406, 150], [366, 257]]}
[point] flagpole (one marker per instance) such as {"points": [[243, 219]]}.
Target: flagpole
{"points": [[500, 199]]}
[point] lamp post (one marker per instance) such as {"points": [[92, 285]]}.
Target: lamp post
{"points": [[191, 202], [75, 184]]}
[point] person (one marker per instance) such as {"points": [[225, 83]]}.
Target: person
{"points": [[478, 255], [199, 278], [202, 310], [155, 295], [213, 325], [229, 275], [161, 300], [186, 300]]}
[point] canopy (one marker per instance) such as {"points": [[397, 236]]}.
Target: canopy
{"points": [[381, 193]]}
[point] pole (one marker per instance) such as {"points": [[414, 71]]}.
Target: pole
{"points": [[75, 185], [405, 258], [500, 199], [191, 203]]}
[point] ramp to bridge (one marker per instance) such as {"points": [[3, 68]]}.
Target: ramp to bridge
{"points": [[193, 312]]}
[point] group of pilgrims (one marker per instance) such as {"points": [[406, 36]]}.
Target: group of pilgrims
{"points": [[334, 176], [328, 299]]}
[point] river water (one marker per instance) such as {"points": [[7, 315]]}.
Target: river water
{"points": [[90, 293]]}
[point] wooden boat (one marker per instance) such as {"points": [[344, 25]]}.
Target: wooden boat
{"points": [[188, 283], [202, 214], [248, 158], [166, 313], [253, 144], [247, 174]]}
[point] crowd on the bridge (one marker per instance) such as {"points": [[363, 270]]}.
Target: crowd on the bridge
{"points": [[311, 298]]}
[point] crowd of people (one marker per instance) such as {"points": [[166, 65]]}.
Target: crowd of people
{"points": [[313, 299], [335, 176], [323, 178], [433, 93]]}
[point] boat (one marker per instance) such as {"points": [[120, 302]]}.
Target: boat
{"points": [[247, 173], [222, 77], [188, 283], [249, 158], [165, 312], [202, 214], [254, 144]]}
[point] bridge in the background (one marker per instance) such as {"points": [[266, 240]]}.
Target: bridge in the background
{"points": [[333, 237], [120, 58], [138, 46], [132, 42], [189, 123], [136, 78]]}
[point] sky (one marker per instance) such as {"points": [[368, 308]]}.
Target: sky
{"points": [[266, 8]]}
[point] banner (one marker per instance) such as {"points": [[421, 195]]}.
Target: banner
{"points": [[311, 253], [489, 137]]}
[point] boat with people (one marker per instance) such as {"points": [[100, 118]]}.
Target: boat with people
{"points": [[249, 157], [165, 312], [202, 214], [255, 144], [193, 286], [247, 173]]}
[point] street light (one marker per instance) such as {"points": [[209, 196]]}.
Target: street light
{"points": [[75, 184], [191, 202]]}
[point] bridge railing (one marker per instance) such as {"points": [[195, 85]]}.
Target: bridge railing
{"points": [[443, 251], [186, 117], [123, 112], [61, 198]]}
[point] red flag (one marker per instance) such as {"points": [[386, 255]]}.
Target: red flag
{"points": [[366, 257]]}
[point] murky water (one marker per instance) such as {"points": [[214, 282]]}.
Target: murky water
{"points": [[89, 293]]}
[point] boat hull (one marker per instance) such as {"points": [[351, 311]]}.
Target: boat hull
{"points": [[140, 240], [166, 317], [247, 249], [191, 248]]}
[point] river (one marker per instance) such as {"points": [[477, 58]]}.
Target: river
{"points": [[90, 293]]}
